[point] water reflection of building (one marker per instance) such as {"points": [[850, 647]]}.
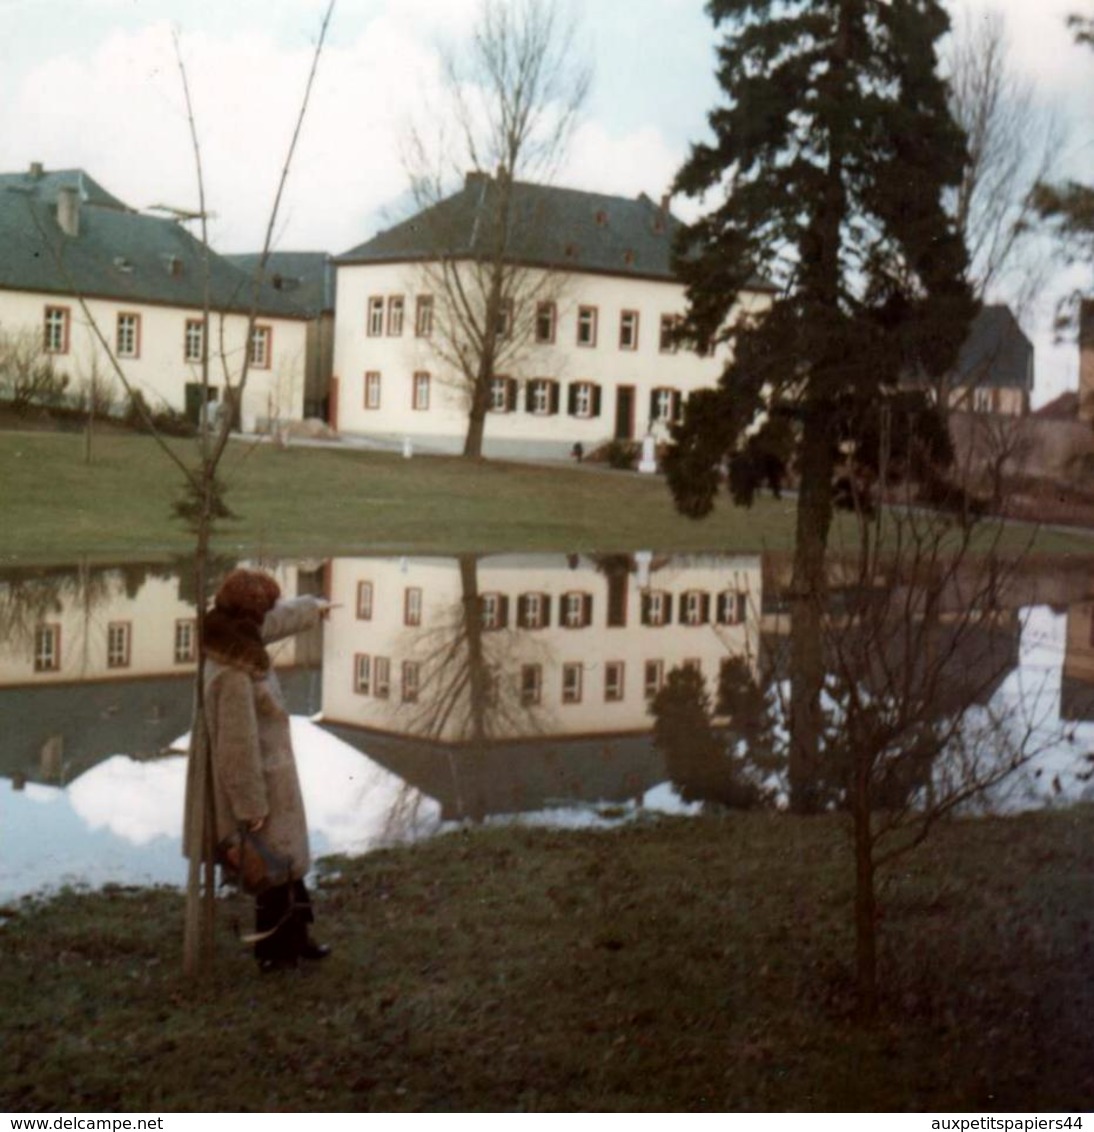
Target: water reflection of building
{"points": [[100, 661], [1077, 685], [520, 646], [514, 683]]}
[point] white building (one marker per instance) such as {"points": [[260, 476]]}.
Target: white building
{"points": [[142, 280], [588, 352]]}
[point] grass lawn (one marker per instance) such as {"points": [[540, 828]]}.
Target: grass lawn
{"points": [[53, 506], [676, 964]]}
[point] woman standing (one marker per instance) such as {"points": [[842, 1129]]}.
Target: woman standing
{"points": [[253, 766]]}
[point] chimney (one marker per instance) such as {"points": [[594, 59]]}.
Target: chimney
{"points": [[36, 170], [68, 210]]}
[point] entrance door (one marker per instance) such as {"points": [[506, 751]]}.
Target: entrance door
{"points": [[624, 412], [195, 400]]}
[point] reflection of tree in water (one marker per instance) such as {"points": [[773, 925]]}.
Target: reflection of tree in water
{"points": [[706, 763], [470, 693], [907, 662]]}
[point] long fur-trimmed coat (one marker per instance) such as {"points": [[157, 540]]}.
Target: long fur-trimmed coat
{"points": [[254, 769]]}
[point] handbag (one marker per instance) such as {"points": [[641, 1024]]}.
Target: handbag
{"points": [[249, 863]]}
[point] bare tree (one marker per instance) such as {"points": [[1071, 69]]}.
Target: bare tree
{"points": [[920, 625], [203, 506], [1013, 143], [202, 502], [512, 103], [27, 373]]}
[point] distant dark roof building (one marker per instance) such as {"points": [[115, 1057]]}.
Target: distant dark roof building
{"points": [[109, 251], [551, 228], [306, 278], [996, 352], [1062, 408]]}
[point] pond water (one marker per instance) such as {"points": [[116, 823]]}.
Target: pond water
{"points": [[481, 688]]}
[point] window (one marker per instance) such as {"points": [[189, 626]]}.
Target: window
{"points": [[364, 601], [193, 343], [381, 673], [655, 677], [982, 400], [47, 648], [185, 641], [586, 326], [542, 397], [546, 316], [613, 681], [583, 399], [505, 319], [118, 637], [628, 330], [503, 395], [732, 608], [667, 342], [571, 683], [412, 605], [665, 405], [375, 316], [411, 681], [531, 684], [362, 674], [656, 607], [495, 611], [695, 608], [261, 338], [421, 392], [395, 308], [56, 330], [423, 316], [577, 610], [533, 611], [372, 390], [128, 336]]}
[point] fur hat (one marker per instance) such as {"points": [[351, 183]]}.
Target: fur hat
{"points": [[247, 594], [232, 627]]}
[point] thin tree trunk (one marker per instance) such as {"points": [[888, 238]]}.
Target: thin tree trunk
{"points": [[808, 587], [865, 898]]}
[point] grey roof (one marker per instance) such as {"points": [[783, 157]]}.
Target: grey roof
{"points": [[551, 227], [46, 184], [117, 254], [307, 278], [996, 352]]}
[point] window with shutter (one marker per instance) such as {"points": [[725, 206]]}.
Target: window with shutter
{"points": [[571, 683], [656, 607], [613, 681], [531, 684], [654, 677]]}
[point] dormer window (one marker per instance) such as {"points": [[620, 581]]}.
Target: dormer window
{"points": [[601, 218]]}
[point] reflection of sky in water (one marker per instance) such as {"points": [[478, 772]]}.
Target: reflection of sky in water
{"points": [[120, 821], [1031, 695]]}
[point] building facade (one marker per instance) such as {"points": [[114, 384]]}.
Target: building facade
{"points": [[84, 277], [586, 354]]}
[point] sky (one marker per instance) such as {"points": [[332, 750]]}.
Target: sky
{"points": [[95, 84]]}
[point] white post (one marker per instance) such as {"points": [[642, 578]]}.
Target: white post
{"points": [[408, 451], [648, 463]]}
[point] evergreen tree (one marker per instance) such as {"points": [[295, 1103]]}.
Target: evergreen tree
{"points": [[834, 151]]}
